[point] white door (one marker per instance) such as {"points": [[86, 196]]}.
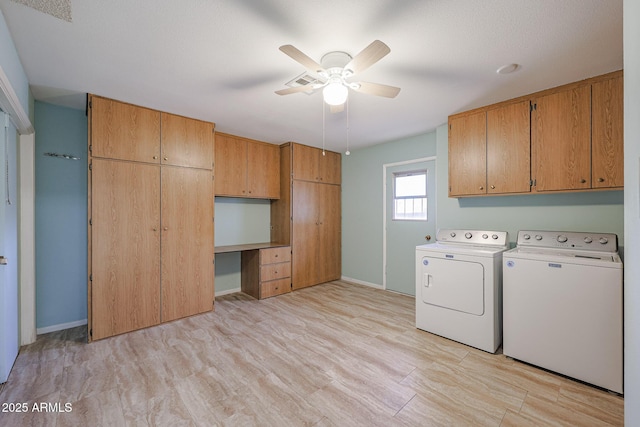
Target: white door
{"points": [[402, 232], [8, 250]]}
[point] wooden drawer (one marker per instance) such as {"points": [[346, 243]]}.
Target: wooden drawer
{"points": [[274, 255], [275, 271], [275, 287]]}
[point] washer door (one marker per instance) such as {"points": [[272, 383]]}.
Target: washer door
{"points": [[453, 284]]}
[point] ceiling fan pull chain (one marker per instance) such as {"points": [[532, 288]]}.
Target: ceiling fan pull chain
{"points": [[323, 126], [347, 152]]}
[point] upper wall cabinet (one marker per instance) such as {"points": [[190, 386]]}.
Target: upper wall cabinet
{"points": [[607, 133], [567, 138], [313, 164], [128, 132], [186, 142], [124, 131], [246, 168]]}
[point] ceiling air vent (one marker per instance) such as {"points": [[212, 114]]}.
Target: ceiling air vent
{"points": [[304, 79]]}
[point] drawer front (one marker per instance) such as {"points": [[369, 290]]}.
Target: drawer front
{"points": [[274, 255], [275, 271], [275, 287]]}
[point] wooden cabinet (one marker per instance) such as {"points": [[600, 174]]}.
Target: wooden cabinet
{"points": [[246, 168], [187, 269], [309, 216], [312, 165], [186, 142], [150, 251], [607, 133], [468, 155], [128, 132], [125, 247], [266, 272], [562, 139]]}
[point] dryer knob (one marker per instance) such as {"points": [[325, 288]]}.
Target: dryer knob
{"points": [[485, 236], [562, 238], [538, 237], [452, 234], [468, 235], [603, 240], [588, 239], [494, 237], [526, 237]]}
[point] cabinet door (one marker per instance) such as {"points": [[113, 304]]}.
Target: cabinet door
{"points": [[329, 233], [607, 130], [467, 155], [509, 149], [125, 242], [330, 167], [231, 166], [186, 142], [187, 242], [562, 140], [263, 170], [124, 131], [304, 244], [305, 163]]}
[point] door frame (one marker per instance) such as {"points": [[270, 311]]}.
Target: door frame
{"points": [[384, 206]]}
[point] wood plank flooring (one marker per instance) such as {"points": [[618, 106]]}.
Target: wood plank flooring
{"points": [[336, 354]]}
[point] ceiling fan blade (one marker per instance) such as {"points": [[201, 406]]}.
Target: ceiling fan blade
{"points": [[377, 89], [296, 89], [337, 108], [369, 56], [301, 58]]}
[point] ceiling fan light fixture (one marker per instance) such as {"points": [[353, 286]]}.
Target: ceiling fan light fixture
{"points": [[335, 93]]}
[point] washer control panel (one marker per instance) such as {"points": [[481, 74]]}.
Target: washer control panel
{"points": [[601, 242], [476, 237]]}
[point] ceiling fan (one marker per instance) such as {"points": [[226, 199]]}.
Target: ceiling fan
{"points": [[336, 68]]}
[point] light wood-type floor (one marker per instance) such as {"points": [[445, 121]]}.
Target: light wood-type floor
{"points": [[336, 354]]}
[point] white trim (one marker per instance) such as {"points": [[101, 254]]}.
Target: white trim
{"points": [[228, 291], [11, 105], [26, 241], [61, 326], [384, 207], [360, 282]]}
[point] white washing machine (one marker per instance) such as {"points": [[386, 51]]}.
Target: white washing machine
{"points": [[459, 287], [563, 305]]}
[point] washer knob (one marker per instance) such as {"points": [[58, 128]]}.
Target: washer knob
{"points": [[538, 237], [485, 236], [452, 234], [468, 235], [494, 237], [603, 240], [526, 237], [562, 238], [588, 239]]}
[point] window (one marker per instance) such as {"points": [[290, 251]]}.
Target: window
{"points": [[410, 196]]}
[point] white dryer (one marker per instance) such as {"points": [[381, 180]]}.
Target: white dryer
{"points": [[563, 305], [459, 287]]}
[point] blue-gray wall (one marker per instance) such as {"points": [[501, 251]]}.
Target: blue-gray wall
{"points": [[61, 216], [362, 216]]}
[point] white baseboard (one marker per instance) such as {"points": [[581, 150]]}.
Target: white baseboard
{"points": [[227, 292], [60, 327], [361, 282]]}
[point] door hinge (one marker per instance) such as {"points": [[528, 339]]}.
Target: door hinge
{"points": [[91, 277], [532, 183], [533, 107], [91, 332], [90, 221], [90, 166], [90, 148]]}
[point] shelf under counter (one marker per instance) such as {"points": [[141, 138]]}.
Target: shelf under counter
{"points": [[247, 247]]}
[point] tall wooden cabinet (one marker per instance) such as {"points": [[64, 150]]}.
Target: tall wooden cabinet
{"points": [[309, 214], [150, 218]]}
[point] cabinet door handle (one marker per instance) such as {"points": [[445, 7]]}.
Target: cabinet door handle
{"points": [[493, 187], [481, 188], [600, 179], [166, 228], [155, 157], [165, 159], [582, 181]]}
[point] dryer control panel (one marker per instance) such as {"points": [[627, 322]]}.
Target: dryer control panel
{"points": [[474, 237], [601, 242]]}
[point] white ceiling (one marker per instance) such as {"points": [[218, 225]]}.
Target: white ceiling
{"points": [[218, 60]]}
